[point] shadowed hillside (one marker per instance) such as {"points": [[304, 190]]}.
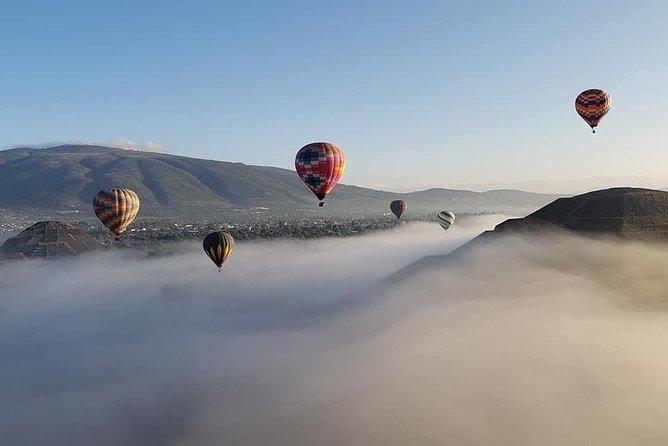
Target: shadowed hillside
{"points": [[67, 177]]}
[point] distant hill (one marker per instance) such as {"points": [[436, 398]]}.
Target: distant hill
{"points": [[623, 212], [67, 177]]}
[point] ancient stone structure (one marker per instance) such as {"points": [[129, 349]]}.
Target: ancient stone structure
{"points": [[50, 239]]}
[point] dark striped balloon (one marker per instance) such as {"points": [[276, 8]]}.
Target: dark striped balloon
{"points": [[398, 207], [592, 105], [445, 219], [320, 165], [218, 246], [116, 209]]}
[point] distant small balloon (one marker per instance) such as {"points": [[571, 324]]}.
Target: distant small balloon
{"points": [[445, 219], [398, 207], [320, 165], [218, 246], [592, 105], [116, 209]]}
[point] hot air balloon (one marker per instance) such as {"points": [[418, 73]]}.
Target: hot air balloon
{"points": [[320, 165], [398, 207], [592, 105], [218, 246], [116, 209], [445, 219]]}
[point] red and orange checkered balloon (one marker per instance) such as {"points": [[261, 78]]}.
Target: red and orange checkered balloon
{"points": [[592, 105], [320, 165]]}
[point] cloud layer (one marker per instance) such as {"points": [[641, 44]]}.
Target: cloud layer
{"points": [[118, 142], [149, 146], [553, 341]]}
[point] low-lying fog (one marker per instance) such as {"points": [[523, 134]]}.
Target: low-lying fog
{"points": [[554, 341]]}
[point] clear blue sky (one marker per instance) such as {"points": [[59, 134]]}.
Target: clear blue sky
{"points": [[417, 93]]}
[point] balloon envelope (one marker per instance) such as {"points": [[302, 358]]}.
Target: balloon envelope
{"points": [[398, 207], [116, 209], [218, 246], [445, 219], [320, 165], [592, 105]]}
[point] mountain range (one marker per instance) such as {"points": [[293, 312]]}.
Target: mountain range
{"points": [[67, 177]]}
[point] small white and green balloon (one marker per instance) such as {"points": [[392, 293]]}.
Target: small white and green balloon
{"points": [[445, 219]]}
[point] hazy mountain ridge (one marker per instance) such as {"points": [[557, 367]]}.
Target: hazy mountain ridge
{"points": [[68, 176]]}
